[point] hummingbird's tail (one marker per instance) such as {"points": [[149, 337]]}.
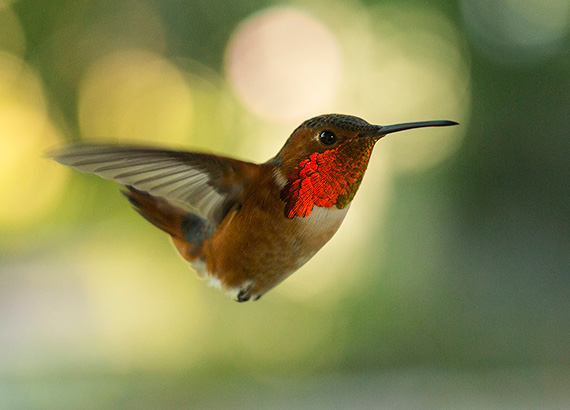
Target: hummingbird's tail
{"points": [[187, 229], [157, 211]]}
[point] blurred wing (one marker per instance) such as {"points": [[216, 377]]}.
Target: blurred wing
{"points": [[208, 184]]}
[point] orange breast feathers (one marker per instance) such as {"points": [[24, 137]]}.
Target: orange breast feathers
{"points": [[326, 179]]}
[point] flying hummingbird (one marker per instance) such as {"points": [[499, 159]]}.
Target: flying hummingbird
{"points": [[245, 226]]}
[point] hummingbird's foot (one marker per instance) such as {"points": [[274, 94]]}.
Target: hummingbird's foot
{"points": [[243, 296], [245, 293]]}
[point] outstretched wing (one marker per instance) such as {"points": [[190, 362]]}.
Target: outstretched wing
{"points": [[207, 183]]}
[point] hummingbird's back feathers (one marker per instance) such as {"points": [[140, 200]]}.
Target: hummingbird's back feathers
{"points": [[208, 184]]}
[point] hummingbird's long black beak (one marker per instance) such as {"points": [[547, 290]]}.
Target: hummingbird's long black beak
{"points": [[387, 129]]}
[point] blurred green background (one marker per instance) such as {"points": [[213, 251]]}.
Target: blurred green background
{"points": [[448, 286]]}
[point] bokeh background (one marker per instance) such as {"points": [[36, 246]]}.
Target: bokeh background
{"points": [[447, 287]]}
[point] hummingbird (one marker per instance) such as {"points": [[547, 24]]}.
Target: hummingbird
{"points": [[243, 225]]}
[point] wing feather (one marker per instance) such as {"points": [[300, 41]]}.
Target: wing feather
{"points": [[210, 185]]}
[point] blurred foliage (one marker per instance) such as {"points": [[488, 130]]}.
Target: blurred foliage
{"points": [[455, 255]]}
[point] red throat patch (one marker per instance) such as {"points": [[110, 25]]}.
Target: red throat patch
{"points": [[326, 179]]}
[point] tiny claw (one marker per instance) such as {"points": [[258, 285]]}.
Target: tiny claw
{"points": [[243, 296]]}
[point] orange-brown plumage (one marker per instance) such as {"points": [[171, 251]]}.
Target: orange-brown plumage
{"points": [[257, 243], [246, 226]]}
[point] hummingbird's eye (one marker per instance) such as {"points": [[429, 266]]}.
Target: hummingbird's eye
{"points": [[327, 137]]}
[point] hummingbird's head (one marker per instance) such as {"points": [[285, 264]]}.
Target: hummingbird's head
{"points": [[325, 158]]}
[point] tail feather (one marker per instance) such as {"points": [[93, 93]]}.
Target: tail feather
{"points": [[188, 230], [158, 211]]}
